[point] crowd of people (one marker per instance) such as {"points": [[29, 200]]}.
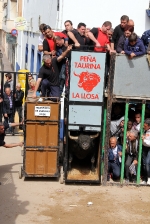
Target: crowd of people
{"points": [[54, 75], [54, 45], [11, 102], [132, 144]]}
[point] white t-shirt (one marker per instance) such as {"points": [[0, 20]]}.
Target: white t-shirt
{"points": [[115, 151], [41, 39]]}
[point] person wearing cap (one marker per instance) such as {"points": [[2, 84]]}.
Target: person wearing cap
{"points": [[19, 95], [9, 81], [49, 75]]}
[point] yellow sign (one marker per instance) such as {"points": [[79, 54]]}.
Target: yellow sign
{"points": [[20, 23]]}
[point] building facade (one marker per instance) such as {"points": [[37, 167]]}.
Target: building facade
{"points": [[27, 56]]}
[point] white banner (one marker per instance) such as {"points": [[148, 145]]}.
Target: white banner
{"points": [[43, 111]]}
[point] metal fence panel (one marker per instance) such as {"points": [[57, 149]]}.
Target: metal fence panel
{"points": [[131, 78]]}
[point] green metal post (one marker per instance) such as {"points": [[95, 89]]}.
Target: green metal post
{"points": [[140, 144], [124, 142], [103, 139]]}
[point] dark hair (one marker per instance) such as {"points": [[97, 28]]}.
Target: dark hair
{"points": [[42, 26], [30, 74], [129, 28], [9, 75], [133, 37], [1, 124], [124, 17], [147, 121], [138, 112], [68, 21], [46, 27], [81, 24], [107, 23]]}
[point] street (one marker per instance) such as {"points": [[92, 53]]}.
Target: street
{"points": [[43, 201]]}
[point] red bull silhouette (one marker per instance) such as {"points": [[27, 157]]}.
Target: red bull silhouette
{"points": [[88, 81]]}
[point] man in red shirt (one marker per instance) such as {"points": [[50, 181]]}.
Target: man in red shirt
{"points": [[100, 38], [49, 43]]}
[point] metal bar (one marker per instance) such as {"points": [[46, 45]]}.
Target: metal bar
{"points": [[140, 144], [26, 86], [103, 139], [124, 142], [108, 114]]}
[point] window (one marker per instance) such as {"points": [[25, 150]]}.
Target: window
{"points": [[32, 59]]}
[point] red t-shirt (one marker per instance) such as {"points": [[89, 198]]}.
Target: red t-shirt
{"points": [[51, 44], [103, 40]]}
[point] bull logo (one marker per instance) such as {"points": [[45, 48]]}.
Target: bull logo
{"points": [[88, 81]]}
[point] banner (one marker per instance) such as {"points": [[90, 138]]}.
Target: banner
{"points": [[87, 76]]}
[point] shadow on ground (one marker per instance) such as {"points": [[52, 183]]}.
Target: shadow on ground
{"points": [[10, 206]]}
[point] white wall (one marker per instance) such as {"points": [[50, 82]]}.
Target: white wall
{"points": [[23, 39], [47, 10], [95, 12]]}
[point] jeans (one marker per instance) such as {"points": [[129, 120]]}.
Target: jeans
{"points": [[115, 169], [146, 162], [53, 90], [19, 111], [62, 78], [10, 119]]}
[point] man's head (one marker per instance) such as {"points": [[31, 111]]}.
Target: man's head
{"points": [[68, 25], [131, 22], [48, 31], [41, 28], [8, 91], [129, 125], [106, 26], [113, 142], [18, 87], [117, 109], [132, 135], [59, 41], [81, 28], [2, 128], [147, 124], [128, 30], [122, 124], [110, 33], [124, 21], [133, 39], [138, 117], [8, 76], [47, 60]]}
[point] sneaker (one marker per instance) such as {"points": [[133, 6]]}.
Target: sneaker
{"points": [[143, 182], [40, 100], [148, 182], [127, 181]]}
